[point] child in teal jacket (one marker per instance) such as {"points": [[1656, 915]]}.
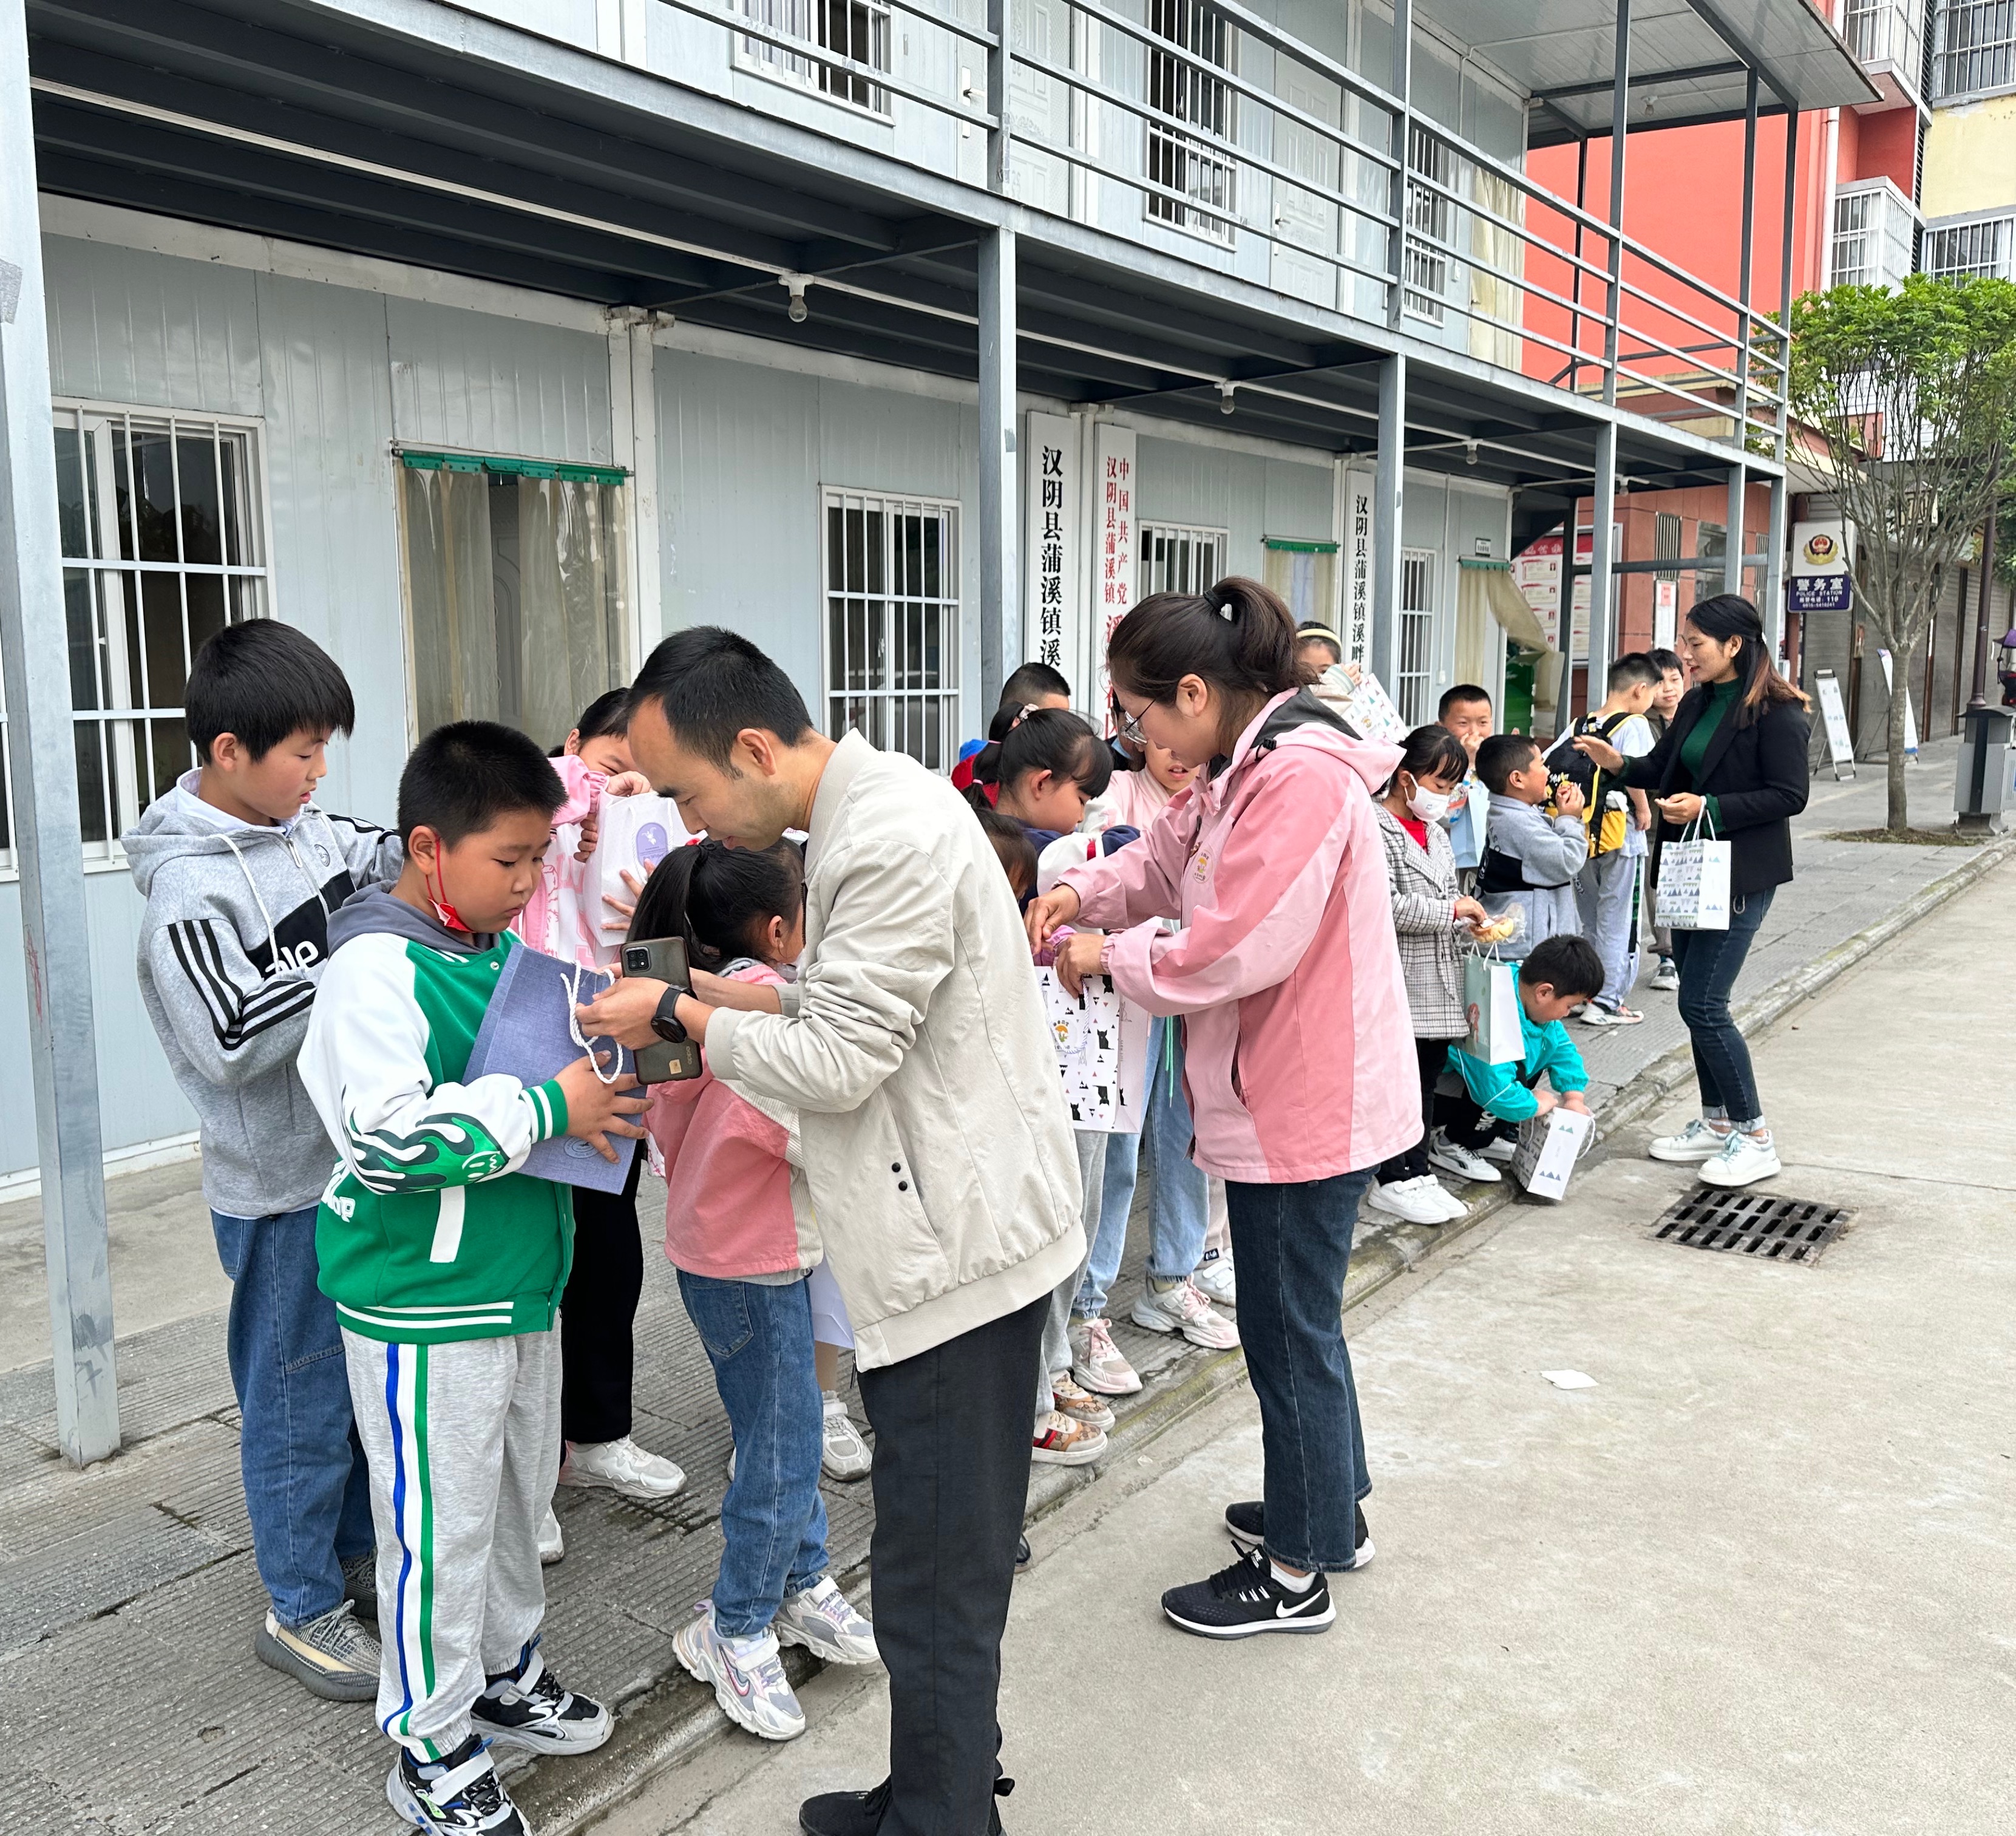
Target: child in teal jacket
{"points": [[1561, 973]]}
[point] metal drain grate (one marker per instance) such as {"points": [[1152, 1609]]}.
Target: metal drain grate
{"points": [[1752, 1224]]}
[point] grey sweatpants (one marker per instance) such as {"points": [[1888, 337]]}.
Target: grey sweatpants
{"points": [[1606, 892], [1057, 1323], [463, 1441]]}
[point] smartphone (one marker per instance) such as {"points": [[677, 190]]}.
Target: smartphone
{"points": [[663, 958]]}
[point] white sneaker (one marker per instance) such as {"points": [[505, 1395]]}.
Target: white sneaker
{"points": [[1411, 1200], [1501, 1150], [1594, 1015], [552, 1545], [746, 1674], [843, 1454], [1216, 1280], [821, 1620], [622, 1466], [1744, 1161], [1098, 1363], [1453, 1157], [1183, 1308], [1698, 1141], [1666, 977], [1452, 1207]]}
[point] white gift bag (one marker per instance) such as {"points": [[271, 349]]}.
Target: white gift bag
{"points": [[1694, 880], [634, 833], [1491, 1005], [1549, 1147]]}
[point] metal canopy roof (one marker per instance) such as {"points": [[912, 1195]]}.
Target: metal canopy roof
{"points": [[285, 118], [1688, 58]]}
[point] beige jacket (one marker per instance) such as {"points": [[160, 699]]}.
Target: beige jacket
{"points": [[915, 1048]]}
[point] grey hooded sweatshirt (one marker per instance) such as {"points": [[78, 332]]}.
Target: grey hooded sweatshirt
{"points": [[233, 945]]}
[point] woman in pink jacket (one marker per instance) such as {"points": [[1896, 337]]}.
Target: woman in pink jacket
{"points": [[1298, 1050]]}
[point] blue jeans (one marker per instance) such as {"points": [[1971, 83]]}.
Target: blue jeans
{"points": [[1709, 962], [308, 1490], [759, 1339], [1178, 1208], [1293, 1244]]}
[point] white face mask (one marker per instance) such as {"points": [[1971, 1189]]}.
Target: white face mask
{"points": [[1429, 806]]}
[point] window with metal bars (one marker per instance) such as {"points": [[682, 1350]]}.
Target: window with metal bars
{"points": [[1178, 558], [162, 522], [1182, 91], [1414, 668], [1967, 249], [1852, 263], [1887, 32], [1977, 47], [856, 30], [892, 623], [1429, 214]]}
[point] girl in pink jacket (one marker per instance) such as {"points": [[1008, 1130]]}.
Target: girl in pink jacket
{"points": [[1298, 1049], [739, 1230]]}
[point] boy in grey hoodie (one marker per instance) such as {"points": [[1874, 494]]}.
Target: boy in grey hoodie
{"points": [[240, 872], [1530, 858]]}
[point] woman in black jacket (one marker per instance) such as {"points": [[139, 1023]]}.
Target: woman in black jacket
{"points": [[1736, 746]]}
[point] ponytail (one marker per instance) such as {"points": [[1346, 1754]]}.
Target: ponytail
{"points": [[1237, 635], [1729, 615], [1432, 751], [718, 898], [1051, 739]]}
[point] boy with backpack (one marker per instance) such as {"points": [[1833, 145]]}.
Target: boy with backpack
{"points": [[240, 872], [1607, 889]]}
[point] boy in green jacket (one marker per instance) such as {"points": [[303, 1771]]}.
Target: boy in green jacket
{"points": [[1560, 974], [446, 1266]]}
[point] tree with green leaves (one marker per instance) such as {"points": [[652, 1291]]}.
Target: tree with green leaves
{"points": [[1911, 394]]}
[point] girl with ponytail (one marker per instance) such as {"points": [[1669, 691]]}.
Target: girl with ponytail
{"points": [[1299, 1058], [1734, 759]]}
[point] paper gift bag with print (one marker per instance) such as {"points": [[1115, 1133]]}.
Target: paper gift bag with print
{"points": [[1694, 880], [1491, 1005], [1549, 1147]]}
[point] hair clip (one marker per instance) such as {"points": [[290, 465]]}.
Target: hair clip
{"points": [[1221, 607]]}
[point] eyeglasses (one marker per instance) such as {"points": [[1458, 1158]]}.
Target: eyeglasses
{"points": [[1127, 726]]}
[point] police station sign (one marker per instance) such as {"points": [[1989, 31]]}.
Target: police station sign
{"points": [[1817, 580]]}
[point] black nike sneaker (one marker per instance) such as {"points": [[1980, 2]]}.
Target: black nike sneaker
{"points": [[1247, 1522], [1242, 1599]]}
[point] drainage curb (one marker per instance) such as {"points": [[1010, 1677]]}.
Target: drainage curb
{"points": [[676, 1717]]}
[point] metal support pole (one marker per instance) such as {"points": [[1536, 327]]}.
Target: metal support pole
{"points": [[1785, 276], [1389, 480], [1774, 571], [1744, 265], [1000, 574], [1602, 576], [1401, 81], [1620, 113], [1574, 318], [1734, 547], [34, 653], [1984, 609]]}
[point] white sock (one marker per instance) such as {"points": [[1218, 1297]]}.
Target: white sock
{"points": [[1294, 1583]]}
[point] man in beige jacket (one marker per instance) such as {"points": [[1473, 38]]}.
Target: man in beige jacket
{"points": [[915, 1049]]}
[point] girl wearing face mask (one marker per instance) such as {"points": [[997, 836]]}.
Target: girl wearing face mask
{"points": [[1428, 916]]}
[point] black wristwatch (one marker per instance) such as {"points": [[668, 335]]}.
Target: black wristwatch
{"points": [[665, 1022]]}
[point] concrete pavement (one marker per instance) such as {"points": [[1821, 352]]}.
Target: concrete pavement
{"points": [[1758, 1579]]}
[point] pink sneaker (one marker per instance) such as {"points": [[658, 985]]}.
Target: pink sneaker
{"points": [[1096, 1361], [1183, 1308]]}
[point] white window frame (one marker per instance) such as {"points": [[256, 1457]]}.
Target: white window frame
{"points": [[123, 725], [1179, 557], [1984, 245], [1414, 638], [1984, 60], [1430, 215], [835, 693], [1873, 229], [1202, 171], [809, 21]]}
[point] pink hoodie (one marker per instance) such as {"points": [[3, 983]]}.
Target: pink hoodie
{"points": [[559, 917], [1298, 1052]]}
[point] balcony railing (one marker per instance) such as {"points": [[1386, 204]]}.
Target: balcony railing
{"points": [[1150, 128]]}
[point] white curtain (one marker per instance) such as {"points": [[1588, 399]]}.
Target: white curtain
{"points": [[451, 589], [1495, 303]]}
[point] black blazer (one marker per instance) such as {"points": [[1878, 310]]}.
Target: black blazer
{"points": [[1758, 775]]}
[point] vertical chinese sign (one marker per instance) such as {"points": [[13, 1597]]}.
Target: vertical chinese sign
{"points": [[1113, 590], [1053, 567], [1357, 562]]}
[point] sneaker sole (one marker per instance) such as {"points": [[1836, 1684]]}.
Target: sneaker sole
{"points": [[1160, 1324], [1686, 1157], [1249, 1543], [531, 1740], [1409, 1217], [1090, 1380], [643, 1494], [730, 1704], [1082, 1455], [1490, 1176], [337, 1686], [1770, 1173], [847, 1475], [1315, 1622]]}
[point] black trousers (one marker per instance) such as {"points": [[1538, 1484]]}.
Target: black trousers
{"points": [[1468, 1122], [951, 1483], [1429, 1056], [598, 1311]]}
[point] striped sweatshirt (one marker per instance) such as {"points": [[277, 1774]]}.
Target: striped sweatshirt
{"points": [[426, 1231]]}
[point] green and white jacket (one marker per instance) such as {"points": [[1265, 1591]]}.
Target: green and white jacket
{"points": [[426, 1231]]}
